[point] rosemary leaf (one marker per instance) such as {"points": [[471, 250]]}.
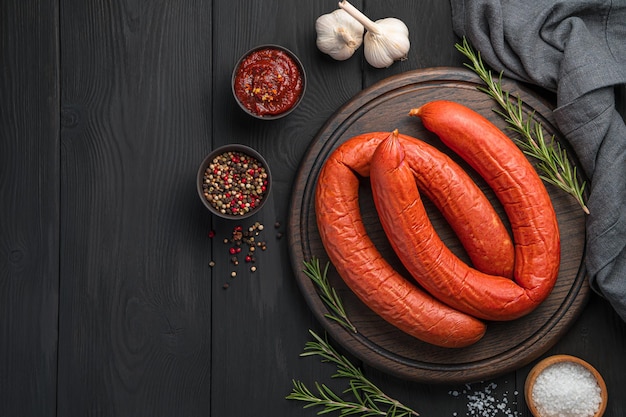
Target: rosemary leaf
{"points": [[329, 401], [553, 163], [328, 293], [364, 398]]}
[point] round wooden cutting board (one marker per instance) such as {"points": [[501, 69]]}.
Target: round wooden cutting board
{"points": [[507, 345]]}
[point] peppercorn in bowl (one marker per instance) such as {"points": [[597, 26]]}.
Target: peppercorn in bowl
{"points": [[234, 181], [268, 82]]}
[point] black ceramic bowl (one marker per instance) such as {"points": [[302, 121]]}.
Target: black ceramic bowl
{"points": [[234, 181], [268, 82]]}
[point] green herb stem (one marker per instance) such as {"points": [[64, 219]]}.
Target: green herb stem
{"points": [[366, 398], [328, 293]]}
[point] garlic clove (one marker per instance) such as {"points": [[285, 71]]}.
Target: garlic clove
{"points": [[338, 34], [386, 40], [390, 44]]}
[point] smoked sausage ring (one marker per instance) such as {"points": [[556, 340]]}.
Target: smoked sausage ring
{"points": [[363, 268]]}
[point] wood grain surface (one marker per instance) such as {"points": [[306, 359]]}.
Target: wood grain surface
{"points": [[29, 207], [135, 307], [109, 305]]}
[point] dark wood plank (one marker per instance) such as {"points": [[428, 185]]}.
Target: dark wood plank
{"points": [[599, 337], [430, 32], [29, 207], [135, 332], [261, 321]]}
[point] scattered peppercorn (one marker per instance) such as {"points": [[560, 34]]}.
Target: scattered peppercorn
{"points": [[243, 238], [279, 234]]}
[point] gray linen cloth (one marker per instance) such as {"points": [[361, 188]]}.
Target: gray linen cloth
{"points": [[576, 49]]}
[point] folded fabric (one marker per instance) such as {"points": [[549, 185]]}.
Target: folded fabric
{"points": [[576, 49]]}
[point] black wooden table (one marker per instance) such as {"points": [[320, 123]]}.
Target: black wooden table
{"points": [[108, 304]]}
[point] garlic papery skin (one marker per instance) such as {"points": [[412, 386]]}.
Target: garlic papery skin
{"points": [[382, 50], [386, 40], [338, 34]]}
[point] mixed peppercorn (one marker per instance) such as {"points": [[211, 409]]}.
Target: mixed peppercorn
{"points": [[235, 183], [244, 243]]}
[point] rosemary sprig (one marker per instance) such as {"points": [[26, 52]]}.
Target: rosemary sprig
{"points": [[367, 399], [328, 293], [556, 168]]}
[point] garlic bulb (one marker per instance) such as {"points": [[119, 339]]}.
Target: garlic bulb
{"points": [[338, 34], [389, 45], [386, 40]]}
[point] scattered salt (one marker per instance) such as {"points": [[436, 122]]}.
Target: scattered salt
{"points": [[483, 402], [566, 389]]}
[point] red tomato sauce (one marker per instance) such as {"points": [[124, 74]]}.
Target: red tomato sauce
{"points": [[268, 82]]}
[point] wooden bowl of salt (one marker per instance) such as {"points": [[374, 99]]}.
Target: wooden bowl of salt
{"points": [[562, 385]]}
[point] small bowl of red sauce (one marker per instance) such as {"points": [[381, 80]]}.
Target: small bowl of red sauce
{"points": [[268, 82], [233, 181]]}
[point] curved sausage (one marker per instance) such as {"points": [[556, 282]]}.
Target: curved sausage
{"points": [[520, 190], [363, 268]]}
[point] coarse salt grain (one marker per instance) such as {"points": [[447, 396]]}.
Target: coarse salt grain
{"points": [[483, 402], [566, 389]]}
